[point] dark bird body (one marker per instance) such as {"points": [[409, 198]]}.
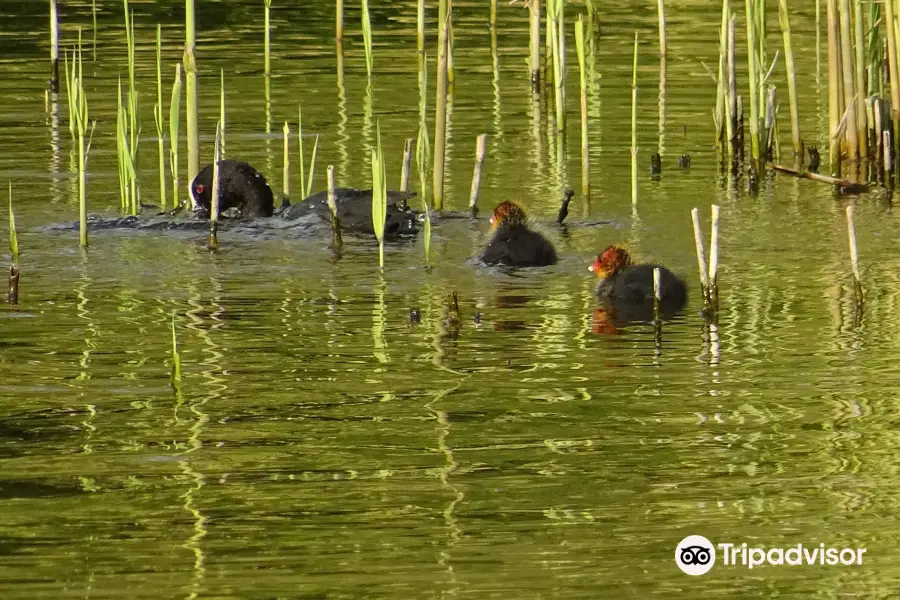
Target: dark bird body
{"points": [[240, 187], [354, 210], [513, 244], [628, 288]]}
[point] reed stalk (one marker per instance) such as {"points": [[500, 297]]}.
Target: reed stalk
{"points": [[70, 97], [661, 16], [701, 255], [267, 41], [160, 120], [81, 126], [731, 104], [379, 194], [126, 169], [305, 181], [634, 148], [331, 199], [656, 293], [420, 31], [339, 21], [174, 124], [133, 112], [854, 254], [834, 87], [894, 69], [862, 121], [94, 18], [534, 43], [222, 113], [440, 112], [888, 159], [713, 279], [847, 70], [480, 151], [367, 38], [12, 296], [286, 164], [407, 159], [754, 60], [423, 156], [214, 208], [720, 116], [190, 71], [13, 236], [54, 47], [557, 46], [784, 22], [585, 143]]}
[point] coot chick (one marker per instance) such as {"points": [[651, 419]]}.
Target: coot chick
{"points": [[629, 288], [241, 187], [354, 209], [513, 244]]}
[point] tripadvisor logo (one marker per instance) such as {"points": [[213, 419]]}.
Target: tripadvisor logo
{"points": [[696, 555]]}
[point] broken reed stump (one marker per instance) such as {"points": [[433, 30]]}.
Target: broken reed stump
{"points": [[12, 295]]}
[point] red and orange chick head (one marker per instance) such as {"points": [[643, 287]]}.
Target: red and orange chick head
{"points": [[508, 213], [610, 261]]}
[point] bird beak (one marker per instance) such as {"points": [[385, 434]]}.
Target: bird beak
{"points": [[591, 268], [492, 220]]}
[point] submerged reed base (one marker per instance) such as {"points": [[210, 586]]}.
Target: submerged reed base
{"points": [[12, 296]]}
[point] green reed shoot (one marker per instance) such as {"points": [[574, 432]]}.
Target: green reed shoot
{"points": [[719, 117], [133, 111], [70, 96], [190, 72], [76, 84], [585, 144], [159, 120], [286, 169], [214, 208], [94, 17], [174, 124], [126, 169], [367, 37], [267, 46], [13, 237], [379, 194], [305, 181]]}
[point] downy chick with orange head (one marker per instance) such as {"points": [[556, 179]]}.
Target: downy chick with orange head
{"points": [[513, 244], [632, 285]]}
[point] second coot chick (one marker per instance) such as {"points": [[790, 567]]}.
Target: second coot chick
{"points": [[240, 186], [354, 210], [629, 288], [513, 244]]}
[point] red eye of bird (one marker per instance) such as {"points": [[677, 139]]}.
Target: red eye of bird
{"points": [[199, 189]]}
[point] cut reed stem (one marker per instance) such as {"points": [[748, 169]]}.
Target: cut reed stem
{"points": [[854, 254], [407, 159], [214, 208], [534, 43], [174, 125], [54, 47], [713, 279], [339, 21], [661, 14], [332, 208], [701, 253], [286, 164], [480, 151], [267, 42]]}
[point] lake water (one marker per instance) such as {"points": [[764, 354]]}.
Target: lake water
{"points": [[324, 447]]}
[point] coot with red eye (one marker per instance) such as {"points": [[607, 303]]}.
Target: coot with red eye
{"points": [[240, 186]]}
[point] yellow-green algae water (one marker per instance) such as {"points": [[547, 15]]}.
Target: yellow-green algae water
{"points": [[326, 448]]}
